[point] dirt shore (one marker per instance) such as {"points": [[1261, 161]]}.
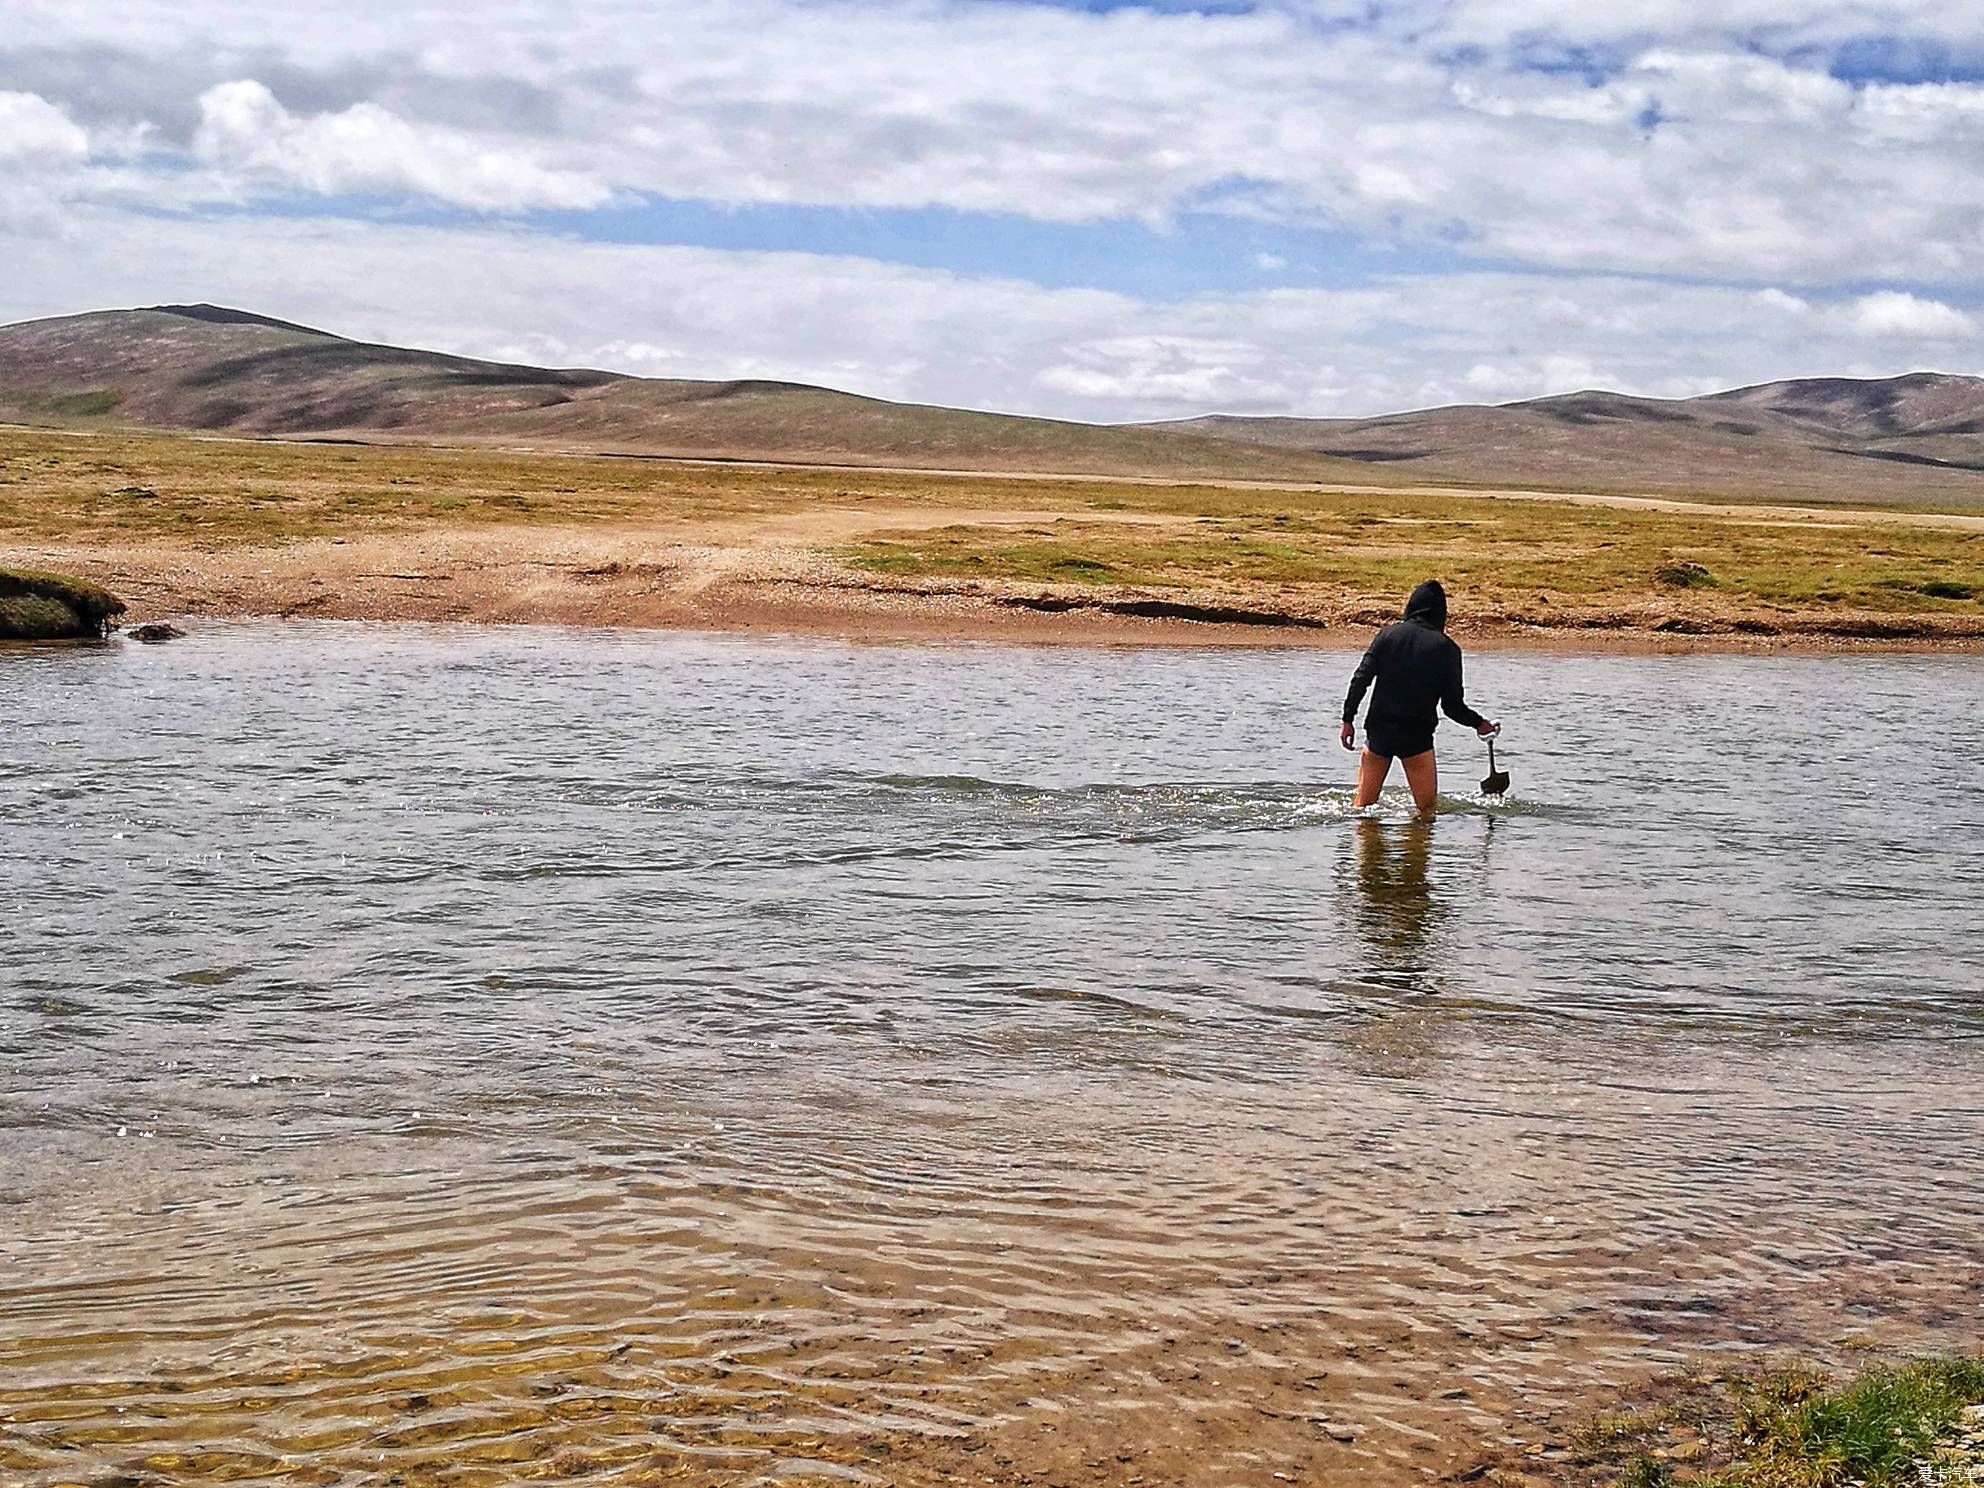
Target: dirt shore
{"points": [[778, 574]]}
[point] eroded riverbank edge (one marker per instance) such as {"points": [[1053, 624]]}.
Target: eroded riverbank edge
{"points": [[758, 582]]}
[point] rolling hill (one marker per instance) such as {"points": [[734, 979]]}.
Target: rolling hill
{"points": [[205, 367], [1917, 439]]}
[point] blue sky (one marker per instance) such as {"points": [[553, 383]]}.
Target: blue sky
{"points": [[1094, 209], [1187, 255]]}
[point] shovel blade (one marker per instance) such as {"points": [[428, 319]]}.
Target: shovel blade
{"points": [[1496, 784]]}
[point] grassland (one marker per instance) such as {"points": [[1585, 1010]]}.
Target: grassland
{"points": [[121, 487], [1511, 557], [195, 520]]}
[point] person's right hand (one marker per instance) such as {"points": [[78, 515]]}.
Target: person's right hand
{"points": [[1489, 729], [1348, 734]]}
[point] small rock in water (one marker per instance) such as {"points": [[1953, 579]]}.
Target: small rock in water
{"points": [[158, 630]]}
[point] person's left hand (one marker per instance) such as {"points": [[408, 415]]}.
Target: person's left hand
{"points": [[1349, 736]]}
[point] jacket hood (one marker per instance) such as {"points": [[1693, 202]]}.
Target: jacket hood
{"points": [[1428, 603]]}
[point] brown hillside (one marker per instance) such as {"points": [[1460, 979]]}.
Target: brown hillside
{"points": [[1914, 441], [211, 368]]}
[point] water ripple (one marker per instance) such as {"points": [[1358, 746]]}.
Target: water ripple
{"points": [[462, 1056]]}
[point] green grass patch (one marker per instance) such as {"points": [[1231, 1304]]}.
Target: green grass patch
{"points": [[1934, 588], [1794, 1429], [92, 404], [1793, 1426], [43, 606], [83, 404], [1684, 575]]}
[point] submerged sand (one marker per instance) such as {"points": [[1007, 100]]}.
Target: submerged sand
{"points": [[1457, 1267]]}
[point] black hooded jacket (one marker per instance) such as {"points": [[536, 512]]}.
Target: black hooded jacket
{"points": [[1417, 668]]}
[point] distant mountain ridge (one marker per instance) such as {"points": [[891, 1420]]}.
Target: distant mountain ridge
{"points": [[1916, 439], [1913, 438], [209, 367]]}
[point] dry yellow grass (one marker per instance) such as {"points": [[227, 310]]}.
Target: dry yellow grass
{"points": [[1508, 555], [1308, 550], [215, 490]]}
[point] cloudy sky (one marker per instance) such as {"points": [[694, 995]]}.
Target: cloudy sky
{"points": [[1102, 210]]}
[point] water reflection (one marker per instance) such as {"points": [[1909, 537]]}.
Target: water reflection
{"points": [[1396, 911]]}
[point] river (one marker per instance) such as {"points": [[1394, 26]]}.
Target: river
{"points": [[461, 1055]]}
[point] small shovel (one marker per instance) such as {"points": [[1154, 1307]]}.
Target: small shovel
{"points": [[1497, 783]]}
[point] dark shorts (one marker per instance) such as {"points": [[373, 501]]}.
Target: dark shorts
{"points": [[1397, 743]]}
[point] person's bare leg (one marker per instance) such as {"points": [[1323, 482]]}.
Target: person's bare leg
{"points": [[1371, 772], [1422, 773]]}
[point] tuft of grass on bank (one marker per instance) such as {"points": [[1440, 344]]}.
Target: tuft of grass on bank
{"points": [[45, 607], [1793, 1429], [1791, 1426]]}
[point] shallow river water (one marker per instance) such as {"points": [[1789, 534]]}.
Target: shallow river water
{"points": [[471, 1056]]}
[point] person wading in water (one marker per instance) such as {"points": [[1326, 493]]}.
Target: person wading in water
{"points": [[1416, 667]]}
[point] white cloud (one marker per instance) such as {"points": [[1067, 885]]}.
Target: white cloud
{"points": [[1171, 371], [1892, 315], [1780, 24], [364, 149], [1713, 146], [44, 155], [34, 131], [1527, 376]]}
